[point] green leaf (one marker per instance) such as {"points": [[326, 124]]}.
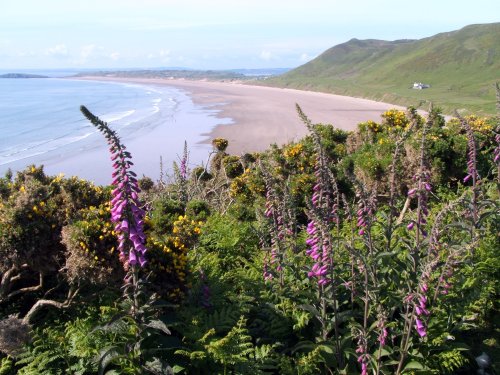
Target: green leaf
{"points": [[414, 365], [304, 346], [158, 366], [158, 325], [327, 349], [385, 254], [384, 352], [106, 356], [311, 309], [178, 369]]}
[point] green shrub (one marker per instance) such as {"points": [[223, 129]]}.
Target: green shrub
{"points": [[198, 210], [200, 174], [232, 166], [163, 214]]}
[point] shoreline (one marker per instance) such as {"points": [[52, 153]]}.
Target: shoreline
{"points": [[250, 117], [152, 121], [151, 144], [263, 115]]}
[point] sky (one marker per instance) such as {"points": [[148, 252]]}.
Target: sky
{"points": [[212, 34]]}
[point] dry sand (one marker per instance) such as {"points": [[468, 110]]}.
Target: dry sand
{"points": [[265, 115]]}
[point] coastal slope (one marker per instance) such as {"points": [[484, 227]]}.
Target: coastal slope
{"points": [[461, 68]]}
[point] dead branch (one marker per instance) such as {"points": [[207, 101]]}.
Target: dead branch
{"points": [[403, 211], [27, 289], [48, 302], [9, 277]]}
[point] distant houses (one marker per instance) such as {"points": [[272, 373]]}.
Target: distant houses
{"points": [[420, 86]]}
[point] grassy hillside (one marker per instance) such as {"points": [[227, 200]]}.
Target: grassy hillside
{"points": [[461, 67]]}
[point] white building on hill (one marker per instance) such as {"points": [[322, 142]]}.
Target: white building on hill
{"points": [[420, 86]]}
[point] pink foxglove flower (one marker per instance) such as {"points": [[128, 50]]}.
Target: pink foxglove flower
{"points": [[126, 211], [419, 325]]}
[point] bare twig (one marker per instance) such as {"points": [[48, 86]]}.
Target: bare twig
{"points": [[48, 302], [27, 289], [8, 278], [403, 211]]}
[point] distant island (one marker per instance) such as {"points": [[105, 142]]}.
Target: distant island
{"points": [[21, 75]]}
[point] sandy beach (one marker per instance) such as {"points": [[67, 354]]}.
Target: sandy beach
{"points": [[265, 115], [249, 117]]}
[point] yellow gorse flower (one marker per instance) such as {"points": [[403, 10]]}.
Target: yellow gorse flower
{"points": [[293, 151]]}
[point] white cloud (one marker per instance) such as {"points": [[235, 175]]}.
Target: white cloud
{"points": [[4, 42], [59, 51], [165, 55], [26, 54], [150, 25], [266, 55], [114, 56], [305, 57], [87, 50]]}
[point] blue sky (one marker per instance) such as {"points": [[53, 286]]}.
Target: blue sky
{"points": [[212, 34]]}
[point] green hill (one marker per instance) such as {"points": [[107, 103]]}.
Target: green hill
{"points": [[461, 67]]}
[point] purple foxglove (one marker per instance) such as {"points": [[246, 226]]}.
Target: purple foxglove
{"points": [[420, 327], [125, 212]]}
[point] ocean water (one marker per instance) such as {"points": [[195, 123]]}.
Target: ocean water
{"points": [[40, 123]]}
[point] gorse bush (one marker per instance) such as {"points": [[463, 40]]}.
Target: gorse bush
{"points": [[365, 252]]}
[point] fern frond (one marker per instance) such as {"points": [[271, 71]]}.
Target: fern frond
{"points": [[222, 320]]}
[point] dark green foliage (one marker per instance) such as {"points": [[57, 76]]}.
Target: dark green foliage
{"points": [[332, 139], [146, 183], [66, 346], [198, 210], [372, 161], [247, 159], [216, 163], [200, 174], [4, 188], [8, 174], [242, 211], [164, 212], [229, 238], [232, 166], [139, 340]]}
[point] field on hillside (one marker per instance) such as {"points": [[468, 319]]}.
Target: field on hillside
{"points": [[461, 67]]}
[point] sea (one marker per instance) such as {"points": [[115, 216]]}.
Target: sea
{"points": [[41, 124]]}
